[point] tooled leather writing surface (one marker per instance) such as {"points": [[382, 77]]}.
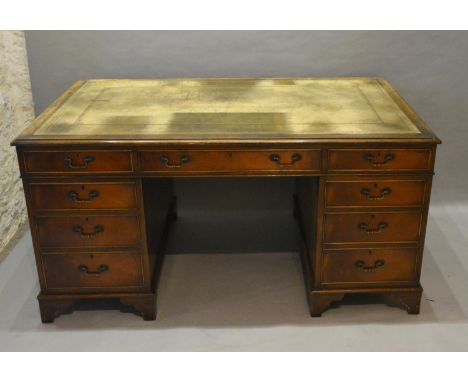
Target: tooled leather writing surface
{"points": [[229, 108]]}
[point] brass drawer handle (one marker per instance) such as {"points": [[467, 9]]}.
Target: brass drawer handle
{"points": [[80, 230], [68, 162], [167, 162], [371, 158], [101, 269], [277, 159], [73, 196], [367, 192], [370, 231], [362, 265]]}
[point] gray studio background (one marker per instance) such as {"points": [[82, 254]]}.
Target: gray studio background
{"points": [[228, 215]]}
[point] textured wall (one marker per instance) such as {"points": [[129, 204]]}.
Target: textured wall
{"points": [[16, 111]]}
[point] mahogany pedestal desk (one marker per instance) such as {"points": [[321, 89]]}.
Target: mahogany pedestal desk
{"points": [[97, 169]]}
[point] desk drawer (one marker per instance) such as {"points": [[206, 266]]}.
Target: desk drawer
{"points": [[184, 161], [375, 192], [372, 227], [276, 160], [78, 161], [93, 270], [83, 196], [379, 159], [374, 265], [88, 231]]}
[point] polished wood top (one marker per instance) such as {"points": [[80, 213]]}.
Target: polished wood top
{"points": [[228, 110]]}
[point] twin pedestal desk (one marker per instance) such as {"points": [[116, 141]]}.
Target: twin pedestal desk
{"points": [[97, 169]]}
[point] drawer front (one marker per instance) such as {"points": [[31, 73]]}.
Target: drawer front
{"points": [[379, 159], [374, 265], [88, 231], [78, 162], [83, 196], [375, 193], [93, 270], [372, 227], [278, 160], [184, 161]]}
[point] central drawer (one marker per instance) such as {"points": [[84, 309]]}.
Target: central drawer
{"points": [[376, 227], [93, 270], [88, 231], [197, 161]]}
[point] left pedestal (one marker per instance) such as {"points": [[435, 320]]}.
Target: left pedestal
{"points": [[98, 233]]}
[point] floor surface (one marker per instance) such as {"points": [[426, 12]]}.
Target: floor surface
{"points": [[251, 302]]}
